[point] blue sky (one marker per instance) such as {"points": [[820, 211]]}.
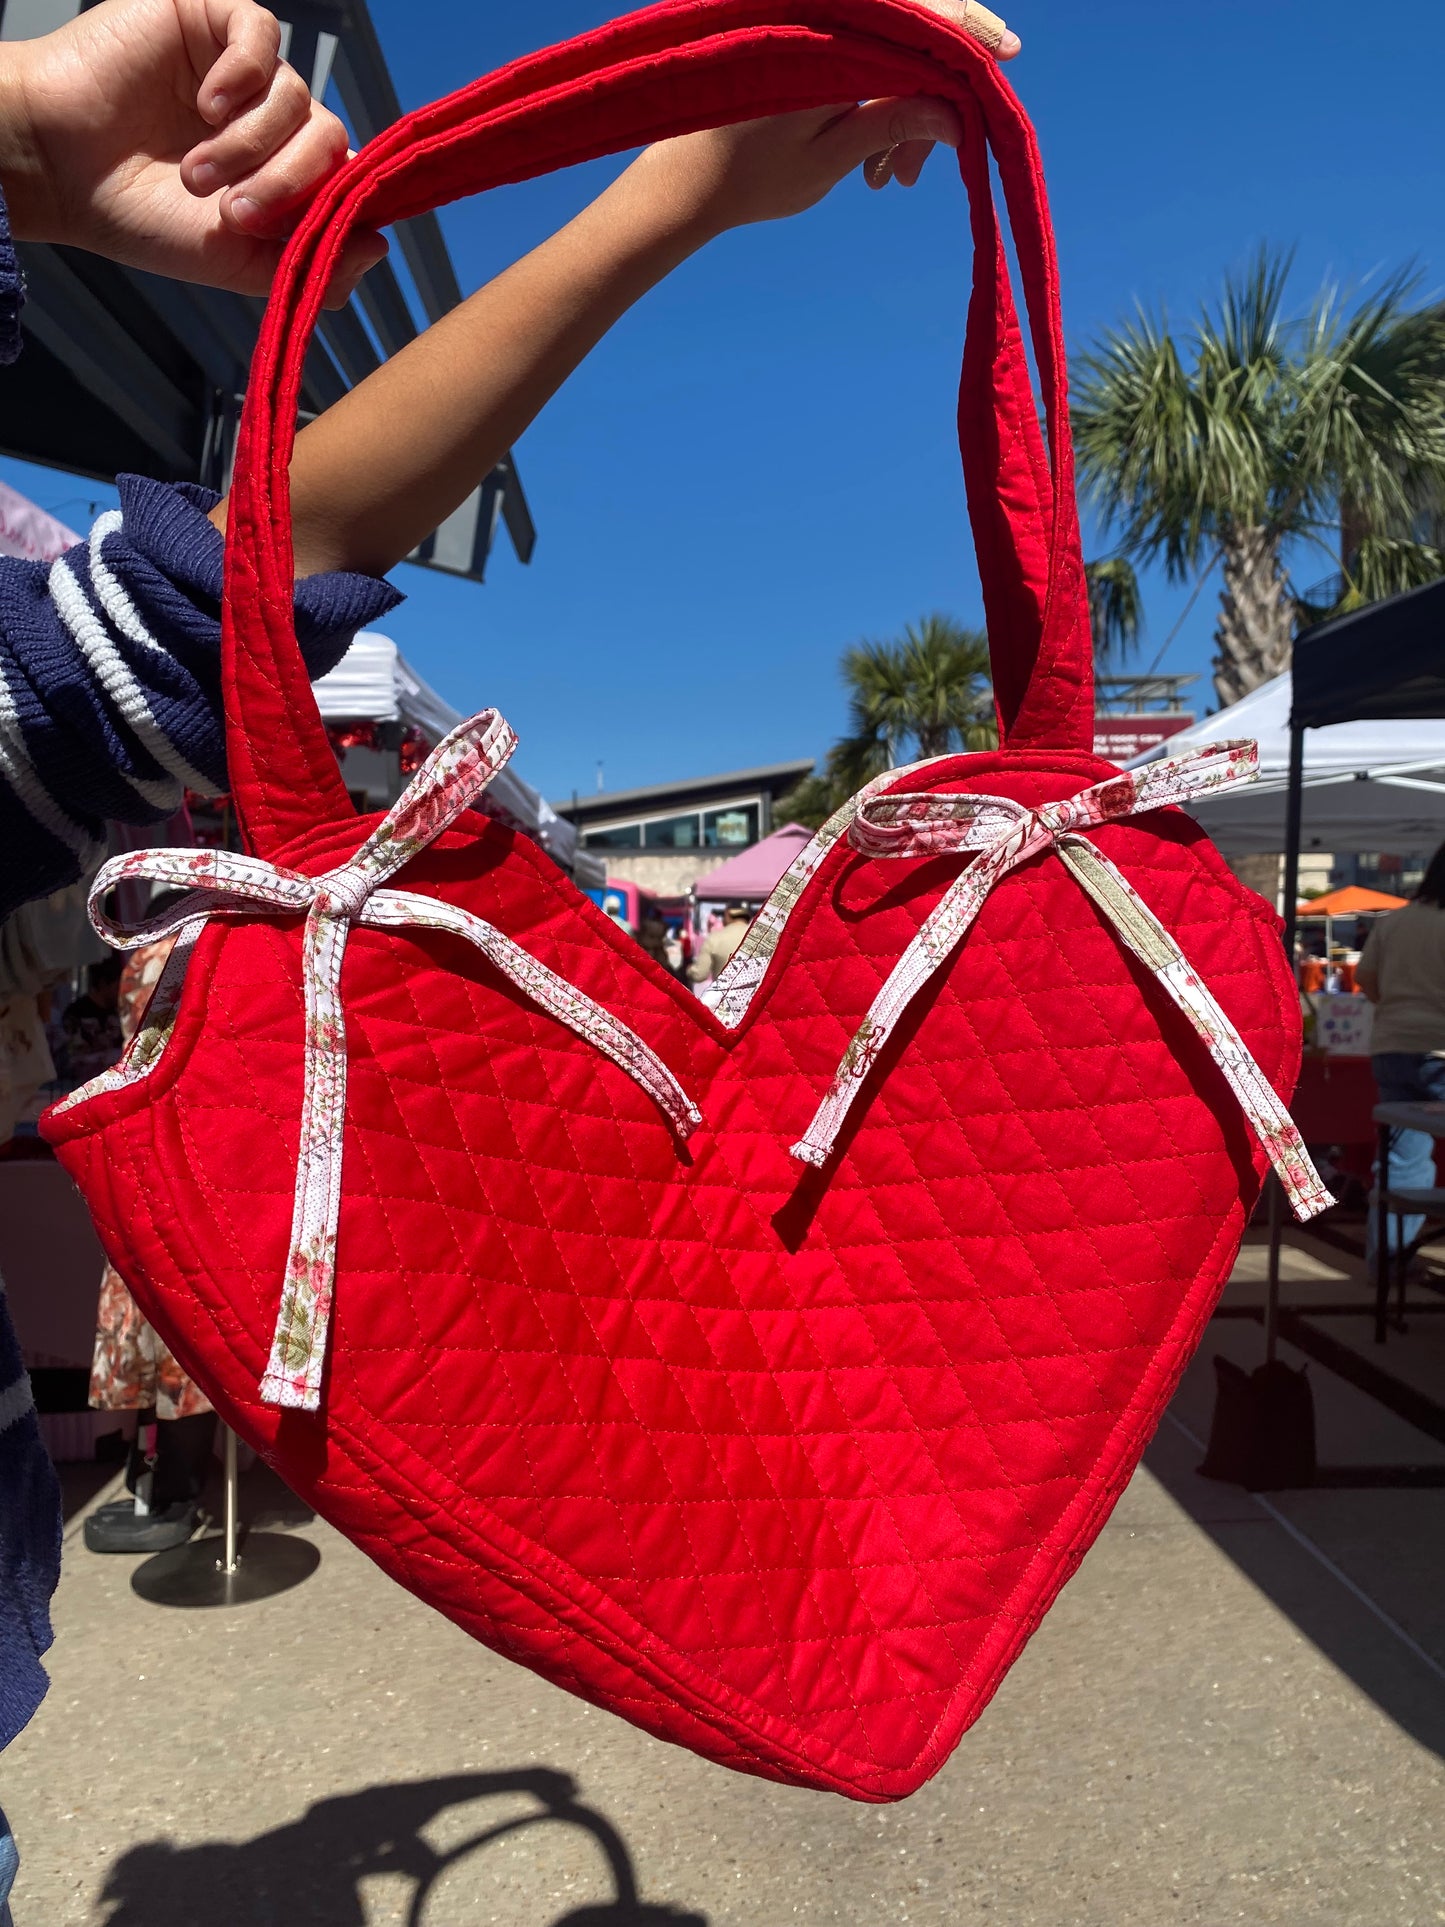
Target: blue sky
{"points": [[758, 467]]}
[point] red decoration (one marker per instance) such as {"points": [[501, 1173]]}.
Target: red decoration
{"points": [[782, 1464]]}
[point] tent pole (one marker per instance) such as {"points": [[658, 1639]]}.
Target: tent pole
{"points": [[1293, 832], [1292, 836], [1271, 1297]]}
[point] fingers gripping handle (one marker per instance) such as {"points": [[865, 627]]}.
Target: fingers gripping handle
{"points": [[676, 67]]}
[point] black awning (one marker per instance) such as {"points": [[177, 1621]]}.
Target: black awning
{"points": [[1382, 663]]}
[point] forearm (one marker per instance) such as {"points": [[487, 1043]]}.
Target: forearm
{"points": [[382, 468]]}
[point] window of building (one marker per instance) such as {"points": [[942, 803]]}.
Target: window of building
{"points": [[735, 828], [671, 833]]}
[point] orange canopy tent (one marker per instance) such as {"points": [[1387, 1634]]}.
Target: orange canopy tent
{"points": [[1351, 902]]}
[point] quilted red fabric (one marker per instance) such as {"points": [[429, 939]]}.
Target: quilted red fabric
{"points": [[784, 1465]]}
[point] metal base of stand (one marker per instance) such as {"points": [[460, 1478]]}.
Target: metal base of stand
{"points": [[196, 1575], [229, 1568]]}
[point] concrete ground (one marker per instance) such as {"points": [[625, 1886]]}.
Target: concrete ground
{"points": [[1236, 1712]]}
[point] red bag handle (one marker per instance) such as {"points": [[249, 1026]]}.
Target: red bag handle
{"points": [[676, 67]]}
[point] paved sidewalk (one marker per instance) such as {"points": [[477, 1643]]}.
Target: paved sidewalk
{"points": [[1236, 1712]]}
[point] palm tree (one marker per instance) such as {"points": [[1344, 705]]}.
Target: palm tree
{"points": [[1252, 435], [924, 694]]}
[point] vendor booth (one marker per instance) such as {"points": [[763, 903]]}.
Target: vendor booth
{"points": [[384, 720], [1352, 760], [751, 877]]}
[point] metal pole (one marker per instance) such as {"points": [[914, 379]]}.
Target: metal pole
{"points": [[231, 1559], [1276, 1238], [1382, 1232], [193, 1575], [1293, 825], [1293, 831]]}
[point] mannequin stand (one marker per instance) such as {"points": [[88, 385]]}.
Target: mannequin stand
{"points": [[251, 1565]]}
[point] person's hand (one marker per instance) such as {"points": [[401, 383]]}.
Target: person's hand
{"points": [[902, 161], [168, 135], [765, 170]]}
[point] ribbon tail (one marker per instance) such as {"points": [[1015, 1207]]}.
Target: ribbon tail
{"points": [[298, 1349], [737, 983], [938, 937], [1141, 932]]}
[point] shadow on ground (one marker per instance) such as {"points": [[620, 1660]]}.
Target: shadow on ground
{"points": [[82, 1484], [1363, 1531], [310, 1870]]}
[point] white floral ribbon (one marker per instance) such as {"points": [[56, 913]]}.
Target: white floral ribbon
{"points": [[224, 884], [1001, 835]]}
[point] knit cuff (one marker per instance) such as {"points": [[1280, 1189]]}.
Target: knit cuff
{"points": [[12, 290], [168, 524]]}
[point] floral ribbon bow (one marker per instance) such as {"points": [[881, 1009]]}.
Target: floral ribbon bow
{"points": [[223, 884], [1004, 834]]}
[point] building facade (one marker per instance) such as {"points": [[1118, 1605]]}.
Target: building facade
{"points": [[663, 837]]}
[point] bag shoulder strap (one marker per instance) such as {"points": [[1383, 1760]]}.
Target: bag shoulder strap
{"points": [[669, 70]]}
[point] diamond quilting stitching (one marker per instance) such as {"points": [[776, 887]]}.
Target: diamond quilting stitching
{"points": [[836, 1462]]}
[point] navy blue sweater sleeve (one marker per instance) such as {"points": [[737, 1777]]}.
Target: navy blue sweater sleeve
{"points": [[30, 1516], [12, 291], [110, 678]]}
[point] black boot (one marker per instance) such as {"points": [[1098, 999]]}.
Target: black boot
{"points": [[175, 1479]]}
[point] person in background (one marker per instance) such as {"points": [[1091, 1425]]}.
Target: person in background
{"points": [[1402, 972], [720, 945], [652, 933], [94, 1037]]}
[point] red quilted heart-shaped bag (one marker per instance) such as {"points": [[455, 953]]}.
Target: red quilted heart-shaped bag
{"points": [[762, 1372]]}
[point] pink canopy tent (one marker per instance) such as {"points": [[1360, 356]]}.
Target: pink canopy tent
{"points": [[750, 876], [28, 531]]}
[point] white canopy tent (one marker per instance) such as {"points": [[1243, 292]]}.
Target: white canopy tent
{"points": [[1368, 786], [375, 683]]}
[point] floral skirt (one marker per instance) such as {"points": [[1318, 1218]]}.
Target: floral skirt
{"points": [[133, 1370]]}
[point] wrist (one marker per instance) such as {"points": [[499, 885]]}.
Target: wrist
{"points": [[22, 164], [679, 200]]}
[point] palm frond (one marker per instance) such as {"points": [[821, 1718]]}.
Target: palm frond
{"points": [[1253, 430], [923, 694], [1116, 607]]}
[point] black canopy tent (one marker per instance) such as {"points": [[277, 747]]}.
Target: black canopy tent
{"points": [[127, 371], [1385, 662]]}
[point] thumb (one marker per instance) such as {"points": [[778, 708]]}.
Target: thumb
{"points": [[877, 125]]}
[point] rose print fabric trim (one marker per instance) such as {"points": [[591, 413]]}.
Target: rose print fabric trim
{"points": [[736, 984], [224, 884], [1001, 834]]}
